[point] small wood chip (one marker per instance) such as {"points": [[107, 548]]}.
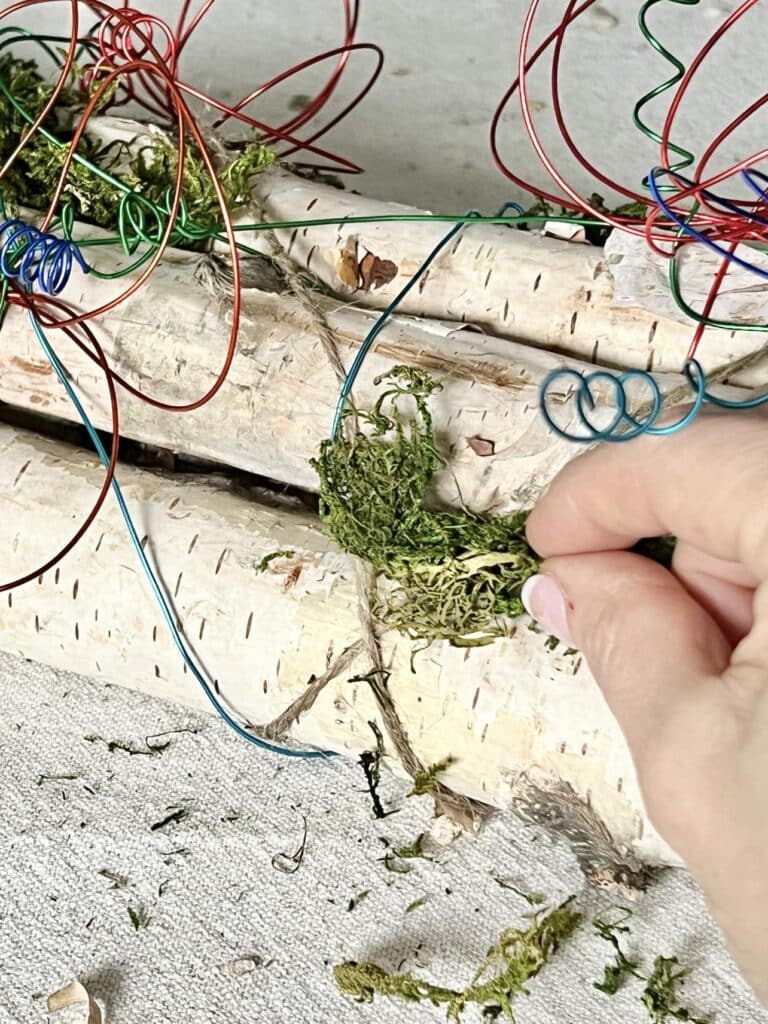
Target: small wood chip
{"points": [[75, 995], [242, 966], [346, 267], [375, 272], [482, 446]]}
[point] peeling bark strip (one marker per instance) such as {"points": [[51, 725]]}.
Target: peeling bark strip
{"points": [[561, 812]]}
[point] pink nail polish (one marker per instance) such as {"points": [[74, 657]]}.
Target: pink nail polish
{"points": [[545, 602]]}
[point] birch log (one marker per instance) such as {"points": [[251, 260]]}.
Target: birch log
{"points": [[278, 402], [514, 707], [539, 291]]}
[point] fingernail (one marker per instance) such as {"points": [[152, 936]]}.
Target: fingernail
{"points": [[545, 602]]}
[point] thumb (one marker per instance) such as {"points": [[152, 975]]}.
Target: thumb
{"points": [[650, 646]]}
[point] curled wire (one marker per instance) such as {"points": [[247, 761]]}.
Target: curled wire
{"points": [[745, 222], [568, 386], [36, 258]]}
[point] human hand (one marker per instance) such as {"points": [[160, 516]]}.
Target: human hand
{"points": [[681, 656]]}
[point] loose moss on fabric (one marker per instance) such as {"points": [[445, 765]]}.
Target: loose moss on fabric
{"points": [[617, 973], [149, 172], [517, 957], [457, 574], [661, 994]]}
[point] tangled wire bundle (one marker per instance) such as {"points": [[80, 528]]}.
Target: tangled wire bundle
{"points": [[679, 211]]}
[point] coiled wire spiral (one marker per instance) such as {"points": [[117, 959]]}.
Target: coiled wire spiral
{"points": [[36, 258], [562, 385]]}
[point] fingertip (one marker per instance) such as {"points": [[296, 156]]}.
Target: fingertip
{"points": [[546, 603]]}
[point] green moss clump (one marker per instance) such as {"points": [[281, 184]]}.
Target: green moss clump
{"points": [[150, 172], [153, 172], [457, 574]]}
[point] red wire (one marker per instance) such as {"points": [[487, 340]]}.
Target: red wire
{"points": [[66, 68], [504, 102], [560, 119], [46, 318], [139, 53], [693, 67], [160, 105]]}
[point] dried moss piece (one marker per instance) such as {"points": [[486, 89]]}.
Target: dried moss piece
{"points": [[355, 902], [615, 974], [140, 917], [533, 899], [415, 905], [365, 981], [370, 762], [522, 955], [177, 814], [267, 560], [414, 850], [660, 997], [518, 957], [425, 781], [457, 573]]}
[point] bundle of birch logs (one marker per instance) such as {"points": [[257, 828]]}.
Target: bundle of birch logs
{"points": [[525, 724]]}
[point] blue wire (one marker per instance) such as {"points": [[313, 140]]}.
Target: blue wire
{"points": [[151, 577], [585, 404], [385, 316], [36, 257], [688, 228]]}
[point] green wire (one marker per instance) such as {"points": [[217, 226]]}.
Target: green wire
{"points": [[724, 325], [686, 156]]}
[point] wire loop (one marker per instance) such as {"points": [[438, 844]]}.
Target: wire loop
{"points": [[565, 384], [36, 258]]}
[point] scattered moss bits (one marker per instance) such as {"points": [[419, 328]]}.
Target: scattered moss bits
{"points": [[615, 974], [425, 781], [516, 958], [660, 997]]}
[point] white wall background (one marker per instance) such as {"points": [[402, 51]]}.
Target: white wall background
{"points": [[422, 135]]}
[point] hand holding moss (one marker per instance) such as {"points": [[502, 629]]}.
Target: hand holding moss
{"points": [[681, 656]]}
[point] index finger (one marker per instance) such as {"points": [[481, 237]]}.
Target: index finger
{"points": [[707, 484]]}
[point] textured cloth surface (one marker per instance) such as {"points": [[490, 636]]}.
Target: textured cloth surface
{"points": [[72, 808]]}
